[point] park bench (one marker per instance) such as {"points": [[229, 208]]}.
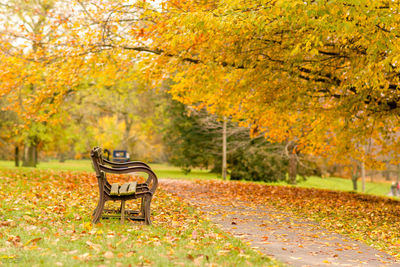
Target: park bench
{"points": [[124, 192]]}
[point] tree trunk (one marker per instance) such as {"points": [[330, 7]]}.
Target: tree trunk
{"points": [[292, 164], [36, 155], [386, 172], [62, 157], [224, 150], [354, 180], [16, 156], [354, 176], [398, 174], [363, 176], [128, 127], [30, 156]]}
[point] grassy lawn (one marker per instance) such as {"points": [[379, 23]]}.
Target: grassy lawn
{"points": [[340, 184], [45, 221]]}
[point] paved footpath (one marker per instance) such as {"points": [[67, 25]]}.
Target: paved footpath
{"points": [[294, 241]]}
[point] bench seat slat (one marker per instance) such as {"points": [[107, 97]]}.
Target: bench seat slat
{"points": [[128, 189], [114, 190], [132, 188], [123, 190]]}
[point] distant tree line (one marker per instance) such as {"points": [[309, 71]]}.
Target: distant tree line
{"points": [[193, 139]]}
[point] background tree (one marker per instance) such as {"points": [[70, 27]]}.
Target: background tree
{"points": [[324, 75], [111, 107], [193, 138], [321, 75], [36, 72], [190, 143]]}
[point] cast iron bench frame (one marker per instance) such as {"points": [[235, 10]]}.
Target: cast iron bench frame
{"points": [[145, 190]]}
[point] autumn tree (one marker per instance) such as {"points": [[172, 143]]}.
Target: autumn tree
{"points": [[111, 107], [10, 141], [38, 67], [321, 74]]}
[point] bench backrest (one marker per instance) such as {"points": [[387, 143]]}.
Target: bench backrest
{"points": [[97, 158], [99, 165]]}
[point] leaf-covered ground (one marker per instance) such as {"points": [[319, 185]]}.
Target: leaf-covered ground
{"points": [[45, 221], [372, 220]]}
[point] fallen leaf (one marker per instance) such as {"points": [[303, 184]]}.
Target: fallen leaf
{"points": [[8, 256], [108, 255], [32, 241]]}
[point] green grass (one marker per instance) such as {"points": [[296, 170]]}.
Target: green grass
{"points": [[341, 184], [167, 171]]}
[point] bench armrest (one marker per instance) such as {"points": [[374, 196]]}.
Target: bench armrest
{"points": [[152, 176], [126, 164]]}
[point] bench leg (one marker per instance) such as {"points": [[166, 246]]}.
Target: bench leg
{"points": [[97, 207], [147, 203], [98, 211], [122, 211], [142, 205], [94, 211]]}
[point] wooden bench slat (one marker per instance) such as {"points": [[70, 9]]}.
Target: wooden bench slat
{"points": [[114, 190], [123, 190], [132, 188]]}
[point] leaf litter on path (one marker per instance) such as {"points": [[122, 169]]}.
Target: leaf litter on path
{"points": [[290, 223]]}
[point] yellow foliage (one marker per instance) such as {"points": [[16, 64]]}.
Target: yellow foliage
{"points": [[109, 132], [322, 74]]}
